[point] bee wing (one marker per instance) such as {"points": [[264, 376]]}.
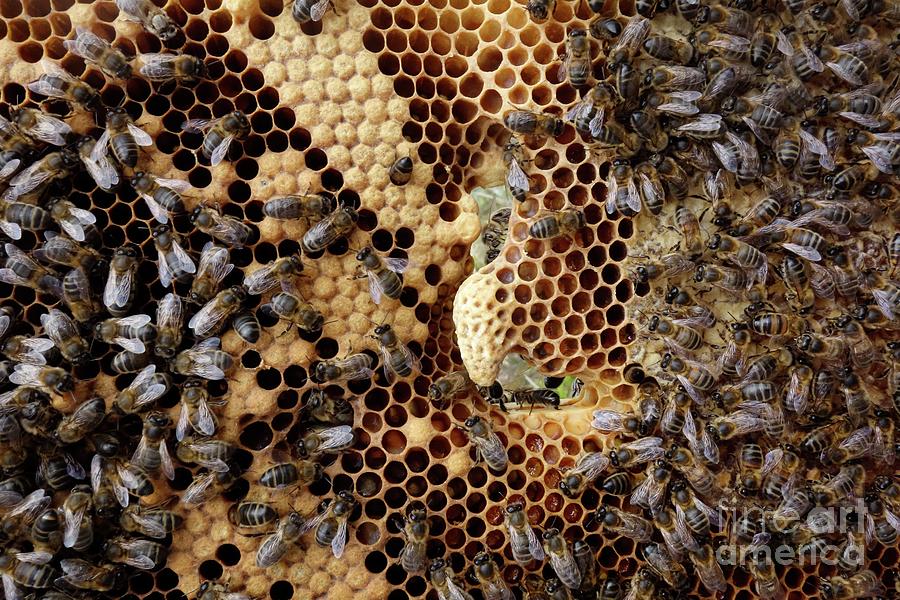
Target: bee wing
{"points": [[681, 107], [149, 525], [336, 437], [340, 539], [611, 192], [579, 110], [213, 464], [4, 324], [211, 343], [198, 491], [591, 466], [534, 543], [596, 124], [85, 44], [184, 422], [139, 135], [31, 505], [734, 43], [165, 273], [26, 180], [156, 209], [375, 289], [317, 10], [607, 420], [455, 592], [26, 375], [214, 260], [138, 561], [12, 230], [709, 446], [50, 130], [169, 313], [228, 230], [812, 59], [166, 464], [704, 123], [314, 521], [158, 66], [633, 35], [10, 590], [101, 170], [633, 199], [34, 558], [772, 459], [822, 281], [197, 125], [515, 176], [207, 318], [218, 155], [261, 280], [271, 550], [73, 520], [806, 252], [183, 259], [206, 422], [118, 288], [386, 364], [880, 157], [176, 185], [883, 299], [235, 596]]}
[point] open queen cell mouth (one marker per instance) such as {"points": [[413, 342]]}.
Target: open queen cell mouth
{"points": [[497, 300]]}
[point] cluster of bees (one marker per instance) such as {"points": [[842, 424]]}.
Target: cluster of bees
{"points": [[76, 472]]}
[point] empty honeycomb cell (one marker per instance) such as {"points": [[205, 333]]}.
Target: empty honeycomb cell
{"points": [[261, 27], [551, 266], [18, 30]]}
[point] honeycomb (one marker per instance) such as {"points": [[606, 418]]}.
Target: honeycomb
{"points": [[336, 103]]}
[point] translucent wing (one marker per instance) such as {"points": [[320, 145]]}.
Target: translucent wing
{"points": [[207, 319], [734, 43], [611, 193], [27, 180], [169, 312], [261, 280], [633, 199], [340, 539], [596, 124], [375, 289], [607, 420], [10, 590], [100, 168], [44, 87], [206, 422], [704, 123], [200, 488], [50, 129], [73, 520], [197, 125], [534, 543], [12, 230], [880, 157], [516, 177], [219, 153], [182, 259], [184, 422], [336, 437], [118, 288], [271, 550], [214, 260], [86, 44], [633, 35], [317, 10], [806, 252], [34, 557], [580, 110], [158, 66], [139, 135], [149, 525], [592, 465], [176, 185]]}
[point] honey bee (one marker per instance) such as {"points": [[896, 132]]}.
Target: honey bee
{"points": [[123, 137], [354, 367], [622, 193], [210, 590], [692, 512], [589, 115], [227, 230], [251, 514], [843, 486], [668, 266], [643, 586], [118, 294], [204, 360], [173, 261], [150, 16], [577, 62], [524, 542], [313, 207], [77, 508], [166, 67], [331, 524], [83, 575], [219, 133], [495, 232], [247, 326], [28, 350], [383, 273], [65, 335], [326, 441], [662, 563], [415, 530], [282, 271], [864, 584], [527, 122], [52, 167], [153, 521], [562, 223], [709, 571], [613, 135], [620, 522], [128, 332], [305, 11], [169, 321], [61, 250], [586, 470], [85, 419], [648, 127], [674, 78], [326, 409], [540, 10], [212, 270], [295, 311], [401, 171], [137, 553], [195, 413], [161, 195], [662, 47], [489, 578], [40, 126], [58, 83], [147, 387], [322, 234], [26, 574], [651, 492], [396, 357], [99, 52], [487, 444], [697, 474], [46, 538], [445, 582], [207, 486], [561, 559], [213, 315], [16, 216], [112, 481], [152, 454], [48, 378], [291, 474], [206, 452]]}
